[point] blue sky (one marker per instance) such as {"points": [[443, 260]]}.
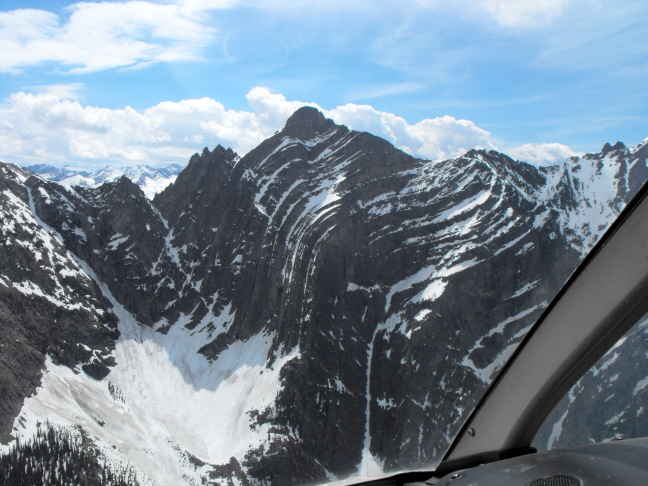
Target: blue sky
{"points": [[95, 83]]}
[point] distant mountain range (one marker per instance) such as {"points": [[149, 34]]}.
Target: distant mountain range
{"points": [[151, 179], [323, 306]]}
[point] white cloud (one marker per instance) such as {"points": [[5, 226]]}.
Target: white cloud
{"points": [[273, 107], [432, 138], [43, 128], [104, 35], [384, 89], [522, 13], [69, 91], [200, 5], [542, 153]]}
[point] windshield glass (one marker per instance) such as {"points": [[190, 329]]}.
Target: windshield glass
{"points": [[291, 242], [608, 402]]}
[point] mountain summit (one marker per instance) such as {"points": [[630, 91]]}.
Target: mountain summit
{"points": [[324, 306], [306, 123]]}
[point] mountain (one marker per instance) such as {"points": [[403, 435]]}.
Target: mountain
{"points": [[57, 174], [152, 180], [324, 306], [49, 306]]}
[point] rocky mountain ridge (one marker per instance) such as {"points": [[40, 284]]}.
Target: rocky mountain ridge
{"points": [[151, 179], [266, 303]]}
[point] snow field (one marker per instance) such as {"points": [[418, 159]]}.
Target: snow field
{"points": [[168, 401]]}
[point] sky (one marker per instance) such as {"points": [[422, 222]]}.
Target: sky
{"points": [[90, 84]]}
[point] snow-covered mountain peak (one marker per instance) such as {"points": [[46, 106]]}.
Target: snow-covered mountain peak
{"points": [[152, 180], [14, 172]]}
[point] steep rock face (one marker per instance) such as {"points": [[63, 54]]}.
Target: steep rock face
{"points": [[369, 296], [203, 200], [114, 229], [380, 336], [49, 306]]}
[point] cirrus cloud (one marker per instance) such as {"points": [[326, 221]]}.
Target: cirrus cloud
{"points": [[103, 35], [42, 127], [522, 13]]}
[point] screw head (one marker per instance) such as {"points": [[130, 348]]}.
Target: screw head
{"points": [[471, 432]]}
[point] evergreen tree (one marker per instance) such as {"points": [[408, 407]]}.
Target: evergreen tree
{"points": [[59, 457]]}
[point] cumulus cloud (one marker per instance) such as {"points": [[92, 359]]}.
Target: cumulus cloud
{"points": [[542, 153], [42, 127], [432, 138], [49, 129], [103, 35], [273, 108]]}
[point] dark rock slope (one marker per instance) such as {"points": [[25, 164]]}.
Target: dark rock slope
{"points": [[403, 283], [49, 307]]}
